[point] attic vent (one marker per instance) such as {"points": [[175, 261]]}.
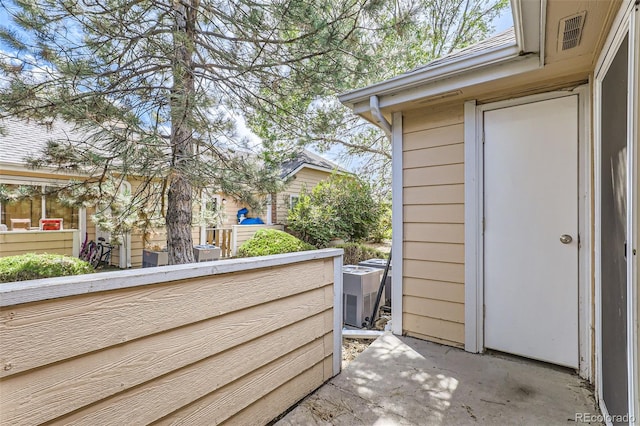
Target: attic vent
{"points": [[570, 31]]}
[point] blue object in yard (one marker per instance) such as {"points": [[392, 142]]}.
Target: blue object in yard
{"points": [[243, 220], [242, 212], [252, 221]]}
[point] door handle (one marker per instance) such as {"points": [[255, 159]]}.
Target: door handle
{"points": [[565, 238]]}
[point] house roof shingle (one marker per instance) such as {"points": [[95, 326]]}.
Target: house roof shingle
{"points": [[503, 39], [20, 139], [309, 158]]}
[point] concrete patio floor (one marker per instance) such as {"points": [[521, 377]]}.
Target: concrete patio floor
{"points": [[405, 381]]}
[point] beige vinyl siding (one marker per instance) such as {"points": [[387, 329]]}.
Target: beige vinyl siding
{"points": [[306, 177], [13, 243], [433, 216], [202, 350]]}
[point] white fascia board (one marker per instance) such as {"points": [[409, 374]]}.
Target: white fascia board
{"points": [[505, 68], [428, 75], [314, 167], [21, 168]]}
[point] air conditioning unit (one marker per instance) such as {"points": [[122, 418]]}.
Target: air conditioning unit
{"points": [[381, 264], [360, 288]]}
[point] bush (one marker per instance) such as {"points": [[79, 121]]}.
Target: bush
{"points": [[34, 266], [340, 207], [355, 253], [271, 241], [382, 230]]}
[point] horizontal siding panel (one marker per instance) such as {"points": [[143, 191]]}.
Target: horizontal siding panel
{"points": [[432, 327], [431, 118], [440, 194], [177, 390], [46, 332], [238, 395], [439, 136], [434, 232], [450, 154], [435, 175], [13, 252], [438, 252], [37, 237], [101, 374], [435, 213], [212, 349], [437, 290], [438, 309], [434, 339], [438, 271], [279, 400]]}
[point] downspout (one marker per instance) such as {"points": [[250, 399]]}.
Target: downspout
{"points": [[374, 104]]}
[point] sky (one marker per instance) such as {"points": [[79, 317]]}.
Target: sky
{"points": [[501, 23]]}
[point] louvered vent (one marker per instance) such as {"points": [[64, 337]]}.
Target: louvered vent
{"points": [[570, 31]]}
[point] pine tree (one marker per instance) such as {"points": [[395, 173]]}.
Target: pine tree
{"points": [[155, 88]]}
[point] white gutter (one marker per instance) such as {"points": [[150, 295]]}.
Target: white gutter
{"points": [[529, 25], [382, 122], [431, 74]]}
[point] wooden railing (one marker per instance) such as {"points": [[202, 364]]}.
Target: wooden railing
{"points": [[65, 242], [223, 238], [238, 341]]}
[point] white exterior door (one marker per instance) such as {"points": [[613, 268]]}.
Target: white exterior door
{"points": [[531, 230]]}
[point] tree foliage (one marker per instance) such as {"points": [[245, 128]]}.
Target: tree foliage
{"points": [[155, 88], [404, 35], [271, 241], [339, 207]]}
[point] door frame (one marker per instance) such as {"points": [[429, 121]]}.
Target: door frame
{"points": [[626, 22], [474, 220]]}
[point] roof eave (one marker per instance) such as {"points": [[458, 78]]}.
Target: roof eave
{"points": [[421, 77], [313, 167], [528, 18]]}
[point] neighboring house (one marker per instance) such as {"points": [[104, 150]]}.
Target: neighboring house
{"points": [[515, 193], [21, 139], [306, 170]]}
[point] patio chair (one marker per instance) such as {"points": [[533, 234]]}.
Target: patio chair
{"points": [[20, 224], [51, 224]]}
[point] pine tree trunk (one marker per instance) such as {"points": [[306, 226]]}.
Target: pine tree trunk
{"points": [[179, 200]]}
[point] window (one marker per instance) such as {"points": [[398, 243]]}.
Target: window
{"points": [[293, 200], [27, 202]]}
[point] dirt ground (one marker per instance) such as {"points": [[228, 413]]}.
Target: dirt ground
{"points": [[351, 348], [384, 247]]}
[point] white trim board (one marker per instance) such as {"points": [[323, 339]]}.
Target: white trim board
{"points": [[50, 288], [625, 23], [314, 167], [474, 216]]}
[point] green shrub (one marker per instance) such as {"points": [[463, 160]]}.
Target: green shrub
{"points": [[382, 229], [33, 266], [355, 253], [339, 207], [271, 241]]}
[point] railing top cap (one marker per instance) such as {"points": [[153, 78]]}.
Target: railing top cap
{"points": [[50, 288]]}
